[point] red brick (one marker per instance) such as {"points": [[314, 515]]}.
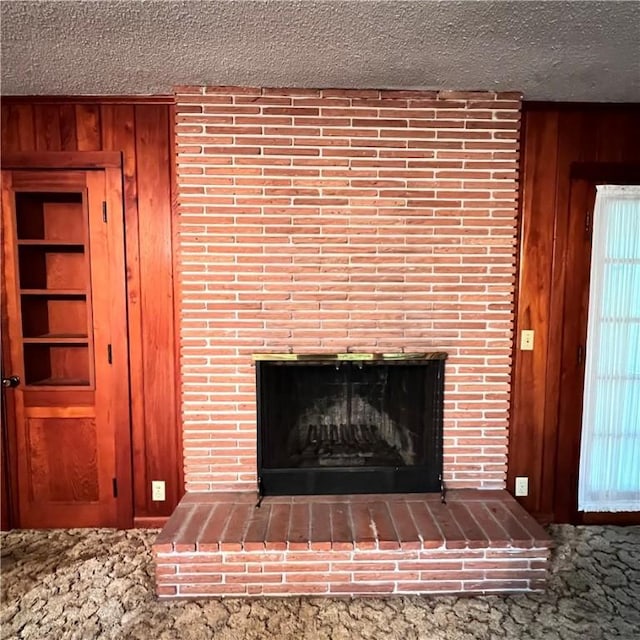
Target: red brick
{"points": [[252, 578], [315, 556], [310, 567], [430, 565], [253, 556], [294, 589], [351, 93], [364, 566], [165, 569], [496, 585], [193, 578], [212, 589], [321, 578], [162, 547], [385, 556], [446, 586], [209, 567], [211, 533], [361, 588], [383, 576]]}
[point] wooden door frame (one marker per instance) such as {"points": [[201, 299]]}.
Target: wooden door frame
{"points": [[85, 160], [565, 496], [8, 474], [575, 304], [111, 163]]}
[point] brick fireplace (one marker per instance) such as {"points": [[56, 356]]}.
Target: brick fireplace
{"points": [[343, 221]]}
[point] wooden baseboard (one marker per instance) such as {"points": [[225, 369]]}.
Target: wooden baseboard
{"points": [[542, 518], [622, 518], [150, 522]]}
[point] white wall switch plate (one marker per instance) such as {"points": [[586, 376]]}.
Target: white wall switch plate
{"points": [[158, 490], [526, 340], [522, 486]]}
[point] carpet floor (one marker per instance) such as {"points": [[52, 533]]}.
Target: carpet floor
{"points": [[98, 583]]}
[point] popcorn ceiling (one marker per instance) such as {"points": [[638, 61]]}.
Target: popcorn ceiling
{"points": [[583, 51]]}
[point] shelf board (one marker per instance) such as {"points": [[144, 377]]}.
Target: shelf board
{"points": [[53, 292], [58, 336], [58, 339], [50, 243], [59, 382]]}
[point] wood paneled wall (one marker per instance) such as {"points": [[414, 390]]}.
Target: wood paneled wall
{"points": [[143, 131], [556, 140]]}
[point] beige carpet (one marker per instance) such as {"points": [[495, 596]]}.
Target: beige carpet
{"points": [[86, 584]]}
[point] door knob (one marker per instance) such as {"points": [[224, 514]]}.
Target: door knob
{"points": [[11, 381]]}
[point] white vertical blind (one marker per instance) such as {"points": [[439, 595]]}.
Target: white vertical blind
{"points": [[610, 448]]}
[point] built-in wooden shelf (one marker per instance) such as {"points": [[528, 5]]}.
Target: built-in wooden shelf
{"points": [[54, 244], [53, 292], [54, 286], [57, 340]]}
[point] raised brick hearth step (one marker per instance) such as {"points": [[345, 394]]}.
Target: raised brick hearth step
{"points": [[223, 544]]}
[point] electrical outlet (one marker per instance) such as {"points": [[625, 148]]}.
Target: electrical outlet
{"points": [[158, 490], [522, 486], [526, 340]]}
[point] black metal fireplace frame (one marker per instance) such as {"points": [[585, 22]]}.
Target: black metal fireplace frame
{"points": [[352, 480]]}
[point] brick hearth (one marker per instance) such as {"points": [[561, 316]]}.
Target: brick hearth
{"points": [[219, 544]]}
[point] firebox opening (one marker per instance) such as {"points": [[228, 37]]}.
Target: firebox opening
{"points": [[366, 426]]}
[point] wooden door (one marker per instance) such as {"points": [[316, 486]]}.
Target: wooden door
{"points": [[574, 338], [582, 197], [65, 314]]}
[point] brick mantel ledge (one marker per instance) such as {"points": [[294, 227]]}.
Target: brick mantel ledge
{"points": [[218, 544]]}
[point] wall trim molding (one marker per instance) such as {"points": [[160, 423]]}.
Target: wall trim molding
{"points": [[62, 160], [148, 99]]}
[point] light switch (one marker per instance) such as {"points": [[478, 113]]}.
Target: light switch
{"points": [[526, 340]]}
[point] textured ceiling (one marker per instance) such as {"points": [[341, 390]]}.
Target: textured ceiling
{"points": [[576, 50]]}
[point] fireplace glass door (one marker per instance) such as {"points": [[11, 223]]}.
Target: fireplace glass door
{"points": [[336, 427]]}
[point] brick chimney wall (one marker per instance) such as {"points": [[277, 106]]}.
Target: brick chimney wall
{"points": [[321, 221]]}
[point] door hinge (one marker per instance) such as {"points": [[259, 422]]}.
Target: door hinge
{"points": [[109, 354], [580, 355], [114, 484], [104, 211]]}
